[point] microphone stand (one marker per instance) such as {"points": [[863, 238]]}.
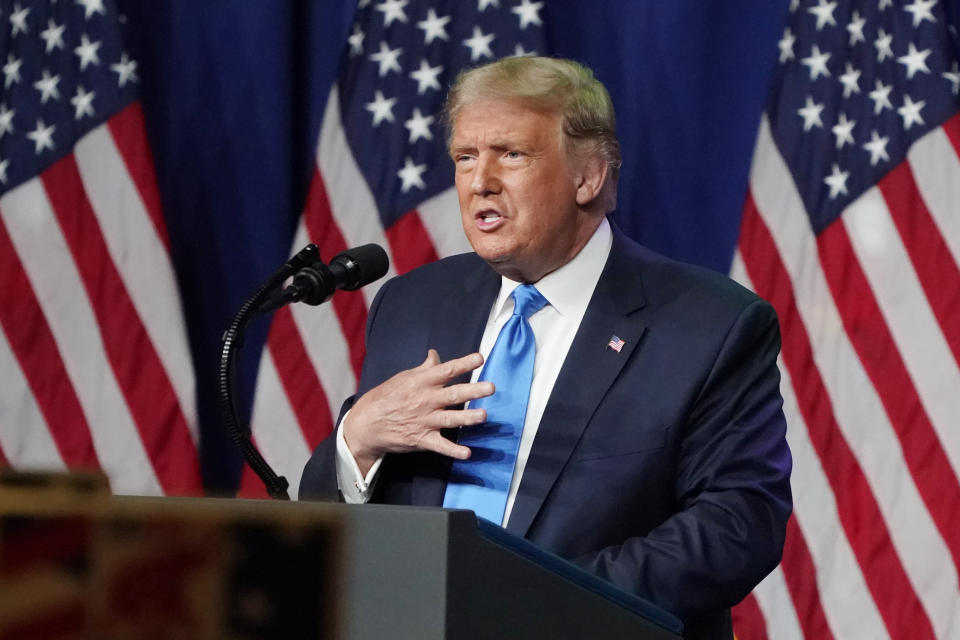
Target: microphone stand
{"points": [[232, 342]]}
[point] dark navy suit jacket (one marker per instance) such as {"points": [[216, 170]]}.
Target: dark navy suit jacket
{"points": [[663, 468]]}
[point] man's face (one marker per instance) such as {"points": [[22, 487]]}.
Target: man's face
{"points": [[517, 189]]}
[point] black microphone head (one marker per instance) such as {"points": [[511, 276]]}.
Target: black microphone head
{"points": [[362, 265]]}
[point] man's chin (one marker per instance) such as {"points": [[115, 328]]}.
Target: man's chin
{"points": [[509, 268], [491, 252], [496, 261], [499, 262]]}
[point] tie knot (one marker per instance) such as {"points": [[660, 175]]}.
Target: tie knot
{"points": [[527, 300]]}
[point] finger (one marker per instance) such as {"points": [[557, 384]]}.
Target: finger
{"points": [[445, 447], [450, 418], [450, 369], [457, 394]]}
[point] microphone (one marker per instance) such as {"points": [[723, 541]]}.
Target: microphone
{"points": [[316, 283]]}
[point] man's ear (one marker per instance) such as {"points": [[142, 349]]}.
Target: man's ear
{"points": [[592, 176]]}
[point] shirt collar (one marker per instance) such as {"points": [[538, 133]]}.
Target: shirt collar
{"points": [[569, 288]]}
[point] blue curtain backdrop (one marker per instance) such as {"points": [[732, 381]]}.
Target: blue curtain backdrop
{"points": [[234, 91]]}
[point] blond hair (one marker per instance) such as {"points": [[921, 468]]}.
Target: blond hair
{"points": [[562, 86]]}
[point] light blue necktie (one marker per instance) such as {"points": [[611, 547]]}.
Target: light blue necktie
{"points": [[482, 482]]}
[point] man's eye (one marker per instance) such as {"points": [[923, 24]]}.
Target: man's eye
{"points": [[513, 155]]}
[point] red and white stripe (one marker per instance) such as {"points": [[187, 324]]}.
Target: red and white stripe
{"points": [[313, 355], [96, 369], [871, 390]]}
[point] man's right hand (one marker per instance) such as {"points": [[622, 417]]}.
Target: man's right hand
{"points": [[407, 412]]}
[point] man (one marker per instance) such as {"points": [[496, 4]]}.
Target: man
{"points": [[651, 446]]}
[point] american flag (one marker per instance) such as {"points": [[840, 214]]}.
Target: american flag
{"points": [[95, 372], [382, 175], [616, 343], [852, 230]]}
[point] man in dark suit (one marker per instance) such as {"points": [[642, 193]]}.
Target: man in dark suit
{"points": [[652, 450]]}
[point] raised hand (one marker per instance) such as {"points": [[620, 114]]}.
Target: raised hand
{"points": [[407, 412]]}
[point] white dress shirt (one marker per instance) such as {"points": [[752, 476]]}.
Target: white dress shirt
{"points": [[568, 291]]}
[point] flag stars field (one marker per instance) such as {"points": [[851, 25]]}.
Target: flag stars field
{"points": [[92, 7], [53, 35], [843, 131], [877, 148], [412, 175], [11, 71], [817, 63], [18, 20], [479, 45], [381, 108], [126, 70], [811, 114], [427, 77], [786, 46], [824, 13], [355, 40], [42, 137], [915, 61], [910, 112], [6, 119], [388, 59], [419, 126], [883, 43], [434, 27], [519, 51], [898, 61], [393, 10], [953, 76], [837, 181], [881, 97], [528, 13], [87, 51], [850, 81], [921, 10], [47, 86], [855, 29], [82, 103]]}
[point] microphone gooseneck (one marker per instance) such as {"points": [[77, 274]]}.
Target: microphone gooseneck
{"points": [[315, 283]]}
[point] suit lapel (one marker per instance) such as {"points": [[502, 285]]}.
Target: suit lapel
{"points": [[455, 332], [587, 373]]}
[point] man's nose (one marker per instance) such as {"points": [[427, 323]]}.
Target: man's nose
{"points": [[486, 176]]}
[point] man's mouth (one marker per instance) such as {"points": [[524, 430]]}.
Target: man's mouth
{"points": [[488, 220]]}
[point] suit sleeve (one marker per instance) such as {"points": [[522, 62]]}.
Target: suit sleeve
{"points": [[732, 485]]}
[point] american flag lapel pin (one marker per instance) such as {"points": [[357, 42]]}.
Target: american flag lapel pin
{"points": [[615, 343]]}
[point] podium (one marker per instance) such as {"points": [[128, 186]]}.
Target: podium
{"points": [[436, 574], [120, 567]]}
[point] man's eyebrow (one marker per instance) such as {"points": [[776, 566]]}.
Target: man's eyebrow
{"points": [[457, 148], [498, 144]]}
